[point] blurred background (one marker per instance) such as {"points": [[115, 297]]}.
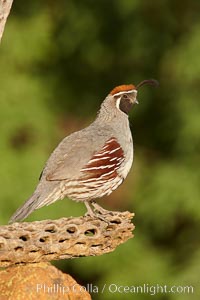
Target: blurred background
{"points": [[58, 61]]}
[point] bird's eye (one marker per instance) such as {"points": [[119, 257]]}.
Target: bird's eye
{"points": [[125, 96]]}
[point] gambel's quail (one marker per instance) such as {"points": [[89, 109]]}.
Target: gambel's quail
{"points": [[92, 162]]}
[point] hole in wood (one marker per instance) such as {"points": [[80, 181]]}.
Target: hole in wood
{"points": [[51, 229], [18, 248], [44, 239], [24, 238], [34, 251], [116, 221], [90, 232], [110, 227], [96, 245], [62, 240], [71, 230], [1, 245], [80, 243]]}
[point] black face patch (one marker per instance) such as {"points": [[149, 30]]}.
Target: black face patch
{"points": [[125, 104]]}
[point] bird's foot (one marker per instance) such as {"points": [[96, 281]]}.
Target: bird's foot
{"points": [[98, 212], [100, 209]]}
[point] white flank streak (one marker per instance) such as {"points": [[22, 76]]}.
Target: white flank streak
{"points": [[119, 182], [107, 143], [98, 159], [106, 174], [114, 150], [119, 158], [101, 154], [89, 180], [95, 181], [97, 168], [114, 158], [98, 179], [110, 141], [105, 146]]}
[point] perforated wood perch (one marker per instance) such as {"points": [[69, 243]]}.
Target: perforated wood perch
{"points": [[64, 238]]}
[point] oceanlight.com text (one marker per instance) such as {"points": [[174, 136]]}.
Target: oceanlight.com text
{"points": [[114, 288]]}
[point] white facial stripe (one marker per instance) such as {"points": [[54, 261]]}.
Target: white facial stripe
{"points": [[118, 102], [127, 92]]}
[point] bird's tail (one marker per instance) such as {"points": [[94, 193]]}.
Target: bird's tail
{"points": [[45, 194], [26, 209]]}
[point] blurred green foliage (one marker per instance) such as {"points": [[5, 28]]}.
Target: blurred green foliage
{"points": [[58, 60]]}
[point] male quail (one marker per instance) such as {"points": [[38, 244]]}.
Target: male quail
{"points": [[92, 162]]}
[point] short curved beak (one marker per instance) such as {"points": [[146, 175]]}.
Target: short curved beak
{"points": [[133, 97]]}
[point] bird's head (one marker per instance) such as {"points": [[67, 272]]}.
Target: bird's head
{"points": [[125, 96]]}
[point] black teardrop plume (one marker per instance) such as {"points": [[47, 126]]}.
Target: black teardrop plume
{"points": [[152, 82]]}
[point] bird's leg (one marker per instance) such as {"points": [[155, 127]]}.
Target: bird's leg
{"points": [[100, 209], [98, 215], [89, 210]]}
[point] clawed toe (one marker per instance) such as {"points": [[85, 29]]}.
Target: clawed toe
{"points": [[100, 209], [97, 212]]}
